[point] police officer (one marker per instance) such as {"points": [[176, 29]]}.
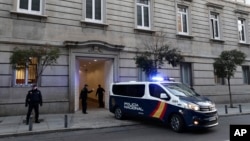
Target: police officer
{"points": [[99, 92], [84, 96], [33, 99]]}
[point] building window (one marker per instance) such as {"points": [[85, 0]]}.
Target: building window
{"points": [[246, 76], [142, 75], [94, 11], [143, 14], [26, 75], [30, 6], [215, 28], [242, 30], [219, 80], [182, 20], [186, 74]]}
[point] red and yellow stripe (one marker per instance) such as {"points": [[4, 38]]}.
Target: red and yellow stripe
{"points": [[159, 111]]}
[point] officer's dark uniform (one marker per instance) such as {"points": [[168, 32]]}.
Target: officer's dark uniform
{"points": [[84, 96], [33, 99], [100, 92]]}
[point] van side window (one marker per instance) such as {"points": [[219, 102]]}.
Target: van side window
{"points": [[155, 90], [129, 90]]}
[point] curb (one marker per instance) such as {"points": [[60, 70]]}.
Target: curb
{"points": [[234, 114], [57, 130]]}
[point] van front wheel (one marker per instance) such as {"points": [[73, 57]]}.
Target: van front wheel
{"points": [[176, 123], [118, 113]]}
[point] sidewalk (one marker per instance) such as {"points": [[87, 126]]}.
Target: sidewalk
{"points": [[96, 118], [245, 109]]}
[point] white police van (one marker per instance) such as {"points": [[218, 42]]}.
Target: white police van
{"points": [[171, 102]]}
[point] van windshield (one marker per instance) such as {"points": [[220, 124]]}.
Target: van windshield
{"points": [[179, 89]]}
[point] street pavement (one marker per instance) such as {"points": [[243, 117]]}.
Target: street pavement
{"points": [[96, 118]]}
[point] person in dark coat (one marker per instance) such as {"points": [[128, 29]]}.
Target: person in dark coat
{"points": [[84, 96], [99, 92], [33, 100]]}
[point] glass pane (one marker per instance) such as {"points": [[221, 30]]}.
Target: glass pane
{"points": [[20, 75], [146, 17], [184, 20], [89, 9], [239, 22], [239, 29], [98, 9], [240, 35], [212, 16], [216, 29], [243, 33], [32, 71], [181, 9], [245, 76], [143, 1], [35, 6], [24, 4], [186, 74], [179, 23], [245, 70], [32, 74], [212, 26], [139, 15]]}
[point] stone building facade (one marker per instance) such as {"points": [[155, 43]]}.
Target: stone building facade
{"points": [[99, 39]]}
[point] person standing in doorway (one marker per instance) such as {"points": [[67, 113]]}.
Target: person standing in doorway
{"points": [[99, 92], [33, 100], [84, 96]]}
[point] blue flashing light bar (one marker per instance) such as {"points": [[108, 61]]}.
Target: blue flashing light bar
{"points": [[157, 78], [160, 78]]}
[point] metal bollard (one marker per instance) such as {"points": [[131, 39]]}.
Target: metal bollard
{"points": [[30, 123], [226, 109], [65, 121], [240, 109]]}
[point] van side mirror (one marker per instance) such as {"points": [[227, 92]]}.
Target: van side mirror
{"points": [[164, 96]]}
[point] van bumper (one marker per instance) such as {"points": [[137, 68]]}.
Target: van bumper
{"points": [[201, 120]]}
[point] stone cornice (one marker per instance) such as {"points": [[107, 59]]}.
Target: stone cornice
{"points": [[93, 43], [216, 5]]}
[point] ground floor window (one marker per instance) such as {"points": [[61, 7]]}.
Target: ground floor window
{"points": [[246, 77], [219, 80], [186, 74], [142, 75], [25, 75]]}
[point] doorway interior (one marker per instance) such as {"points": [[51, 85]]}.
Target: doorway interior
{"points": [[95, 71]]}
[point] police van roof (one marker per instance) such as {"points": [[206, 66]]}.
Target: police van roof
{"points": [[144, 82]]}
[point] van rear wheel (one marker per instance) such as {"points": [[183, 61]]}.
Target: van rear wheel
{"points": [[118, 113], [176, 123]]}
